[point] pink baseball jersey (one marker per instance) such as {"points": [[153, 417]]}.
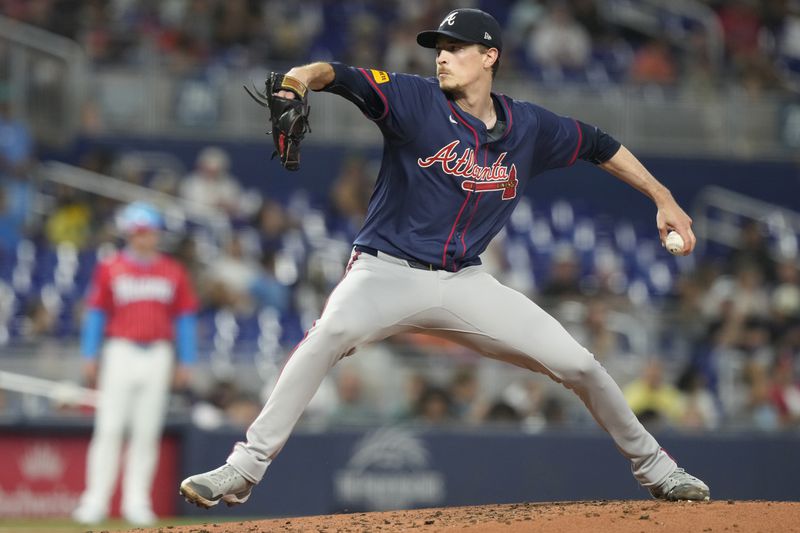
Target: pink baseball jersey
{"points": [[141, 300]]}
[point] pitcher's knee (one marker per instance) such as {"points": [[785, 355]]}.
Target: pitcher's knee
{"points": [[583, 371], [339, 333]]}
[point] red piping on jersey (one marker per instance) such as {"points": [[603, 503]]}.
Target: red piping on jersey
{"points": [[509, 116], [474, 207], [577, 148], [453, 230], [469, 193], [380, 93], [463, 235]]}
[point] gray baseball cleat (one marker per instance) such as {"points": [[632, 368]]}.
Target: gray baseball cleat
{"points": [[681, 486], [207, 489]]}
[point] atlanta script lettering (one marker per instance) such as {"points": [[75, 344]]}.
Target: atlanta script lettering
{"points": [[495, 177]]}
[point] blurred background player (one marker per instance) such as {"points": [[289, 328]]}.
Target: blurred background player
{"points": [[140, 301]]}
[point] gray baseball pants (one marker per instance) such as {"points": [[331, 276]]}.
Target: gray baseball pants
{"points": [[382, 296]]}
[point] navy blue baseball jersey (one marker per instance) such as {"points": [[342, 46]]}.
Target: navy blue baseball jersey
{"points": [[447, 185]]}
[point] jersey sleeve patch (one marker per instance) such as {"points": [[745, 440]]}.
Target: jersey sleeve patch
{"points": [[379, 76]]}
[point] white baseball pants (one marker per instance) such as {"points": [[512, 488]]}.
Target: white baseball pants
{"points": [[381, 296], [133, 387]]}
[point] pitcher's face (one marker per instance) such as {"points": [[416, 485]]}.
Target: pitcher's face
{"points": [[459, 64]]}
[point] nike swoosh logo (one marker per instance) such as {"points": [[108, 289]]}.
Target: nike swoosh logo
{"points": [[454, 121]]}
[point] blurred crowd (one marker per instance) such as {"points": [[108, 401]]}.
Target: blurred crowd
{"points": [[545, 39]]}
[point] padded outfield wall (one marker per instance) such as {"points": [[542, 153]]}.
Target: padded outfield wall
{"points": [[42, 468], [396, 467]]}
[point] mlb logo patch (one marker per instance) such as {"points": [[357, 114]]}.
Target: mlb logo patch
{"points": [[379, 76]]}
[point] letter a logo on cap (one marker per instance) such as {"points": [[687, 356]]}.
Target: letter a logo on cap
{"points": [[450, 19], [487, 36]]}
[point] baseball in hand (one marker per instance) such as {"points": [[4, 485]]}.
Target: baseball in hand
{"points": [[674, 243]]}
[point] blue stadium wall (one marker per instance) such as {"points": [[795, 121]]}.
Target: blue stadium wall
{"points": [[391, 468], [584, 185], [398, 467]]}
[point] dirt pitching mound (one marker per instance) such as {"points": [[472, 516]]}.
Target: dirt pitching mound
{"points": [[560, 517]]}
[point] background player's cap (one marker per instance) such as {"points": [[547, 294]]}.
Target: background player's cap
{"points": [[468, 25], [139, 216]]}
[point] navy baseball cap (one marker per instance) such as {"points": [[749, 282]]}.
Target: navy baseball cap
{"points": [[468, 25]]}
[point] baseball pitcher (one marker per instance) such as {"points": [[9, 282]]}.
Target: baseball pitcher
{"points": [[456, 159]]}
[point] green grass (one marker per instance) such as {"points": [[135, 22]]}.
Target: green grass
{"points": [[65, 525]]}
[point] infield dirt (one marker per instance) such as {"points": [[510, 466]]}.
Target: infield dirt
{"points": [[560, 517]]}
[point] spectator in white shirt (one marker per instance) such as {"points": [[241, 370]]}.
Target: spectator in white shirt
{"points": [[560, 41], [211, 184]]}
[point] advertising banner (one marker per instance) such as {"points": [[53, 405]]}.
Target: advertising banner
{"points": [[43, 475], [405, 467]]}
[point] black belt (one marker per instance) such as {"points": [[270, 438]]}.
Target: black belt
{"points": [[413, 263]]}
